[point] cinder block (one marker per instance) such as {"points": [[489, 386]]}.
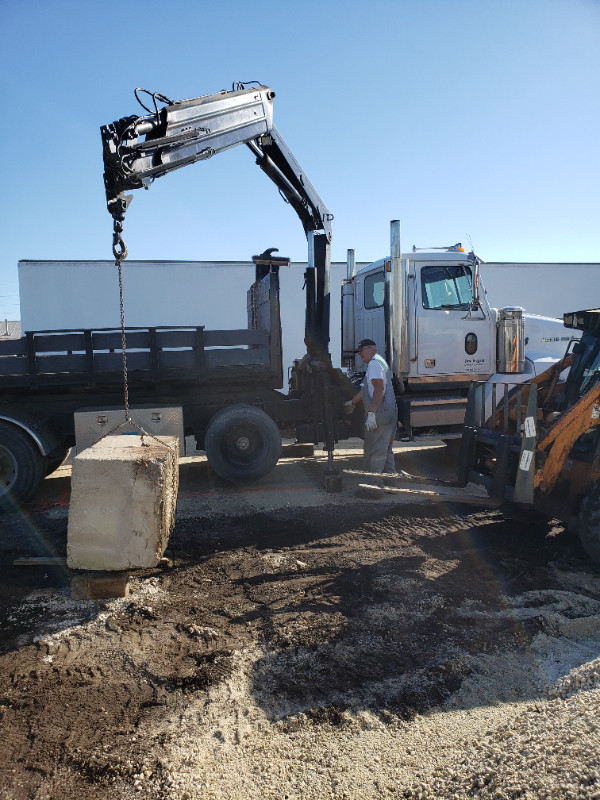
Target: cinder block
{"points": [[123, 503]]}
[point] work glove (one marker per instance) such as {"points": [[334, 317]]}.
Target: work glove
{"points": [[348, 407], [371, 422]]}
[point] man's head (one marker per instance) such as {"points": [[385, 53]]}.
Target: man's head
{"points": [[366, 350]]}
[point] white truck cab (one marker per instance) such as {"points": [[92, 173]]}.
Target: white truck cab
{"points": [[430, 316]]}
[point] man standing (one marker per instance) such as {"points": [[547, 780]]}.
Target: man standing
{"points": [[377, 394]]}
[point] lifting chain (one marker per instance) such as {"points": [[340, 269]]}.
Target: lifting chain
{"points": [[120, 254]]}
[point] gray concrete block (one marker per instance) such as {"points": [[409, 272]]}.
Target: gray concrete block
{"points": [[123, 503]]}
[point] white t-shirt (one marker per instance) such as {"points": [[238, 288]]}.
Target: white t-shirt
{"points": [[375, 369]]}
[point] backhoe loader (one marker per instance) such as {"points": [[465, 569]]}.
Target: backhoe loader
{"points": [[537, 445]]}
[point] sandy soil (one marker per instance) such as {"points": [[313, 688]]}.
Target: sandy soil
{"points": [[303, 645]]}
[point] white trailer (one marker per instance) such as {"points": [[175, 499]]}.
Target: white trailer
{"points": [[545, 288], [59, 295]]}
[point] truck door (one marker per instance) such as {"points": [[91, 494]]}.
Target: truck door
{"points": [[370, 308], [452, 338]]}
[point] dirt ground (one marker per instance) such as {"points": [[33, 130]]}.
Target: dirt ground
{"points": [[287, 626]]}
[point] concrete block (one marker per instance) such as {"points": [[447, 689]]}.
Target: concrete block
{"points": [[123, 503]]}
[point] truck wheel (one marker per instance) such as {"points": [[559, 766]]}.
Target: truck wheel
{"points": [[242, 443], [22, 467], [589, 522]]}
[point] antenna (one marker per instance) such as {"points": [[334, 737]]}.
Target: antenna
{"points": [[454, 248]]}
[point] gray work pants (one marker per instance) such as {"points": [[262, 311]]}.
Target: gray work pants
{"points": [[378, 452]]}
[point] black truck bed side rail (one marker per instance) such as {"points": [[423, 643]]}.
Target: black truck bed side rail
{"points": [[190, 354], [174, 353]]}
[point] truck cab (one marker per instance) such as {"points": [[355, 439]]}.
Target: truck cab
{"points": [[439, 316], [430, 316]]}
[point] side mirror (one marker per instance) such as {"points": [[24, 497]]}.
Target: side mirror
{"points": [[476, 299]]}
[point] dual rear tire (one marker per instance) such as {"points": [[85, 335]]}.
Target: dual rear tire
{"points": [[22, 467]]}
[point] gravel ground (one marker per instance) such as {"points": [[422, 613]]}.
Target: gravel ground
{"points": [[306, 646], [540, 749]]}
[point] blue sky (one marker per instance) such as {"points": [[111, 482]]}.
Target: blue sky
{"points": [[462, 118]]}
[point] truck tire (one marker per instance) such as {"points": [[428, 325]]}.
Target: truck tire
{"points": [[242, 443], [589, 522], [22, 467]]}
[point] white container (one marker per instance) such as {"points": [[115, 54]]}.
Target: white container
{"points": [[92, 424]]}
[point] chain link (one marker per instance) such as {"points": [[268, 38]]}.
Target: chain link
{"points": [[119, 246]]}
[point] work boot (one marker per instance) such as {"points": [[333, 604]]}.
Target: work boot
{"points": [[396, 478]]}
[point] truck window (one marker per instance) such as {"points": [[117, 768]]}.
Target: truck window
{"points": [[447, 287], [374, 290]]}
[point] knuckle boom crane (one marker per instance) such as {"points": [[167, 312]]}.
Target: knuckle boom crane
{"points": [[174, 134]]}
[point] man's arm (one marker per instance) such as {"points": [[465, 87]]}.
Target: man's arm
{"points": [[357, 397], [377, 398]]}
